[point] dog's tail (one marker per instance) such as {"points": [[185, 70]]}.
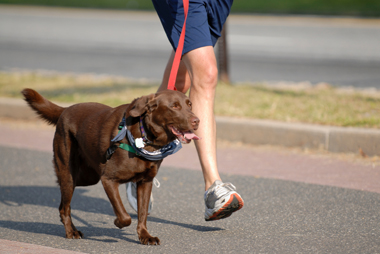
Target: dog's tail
{"points": [[44, 108]]}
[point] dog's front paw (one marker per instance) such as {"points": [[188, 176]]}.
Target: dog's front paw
{"points": [[122, 223], [146, 238], [75, 234], [150, 240]]}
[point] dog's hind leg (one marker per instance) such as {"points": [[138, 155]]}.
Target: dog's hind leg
{"points": [[123, 219], [65, 209], [65, 213], [63, 168]]}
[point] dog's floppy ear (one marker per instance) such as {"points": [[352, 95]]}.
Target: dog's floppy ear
{"points": [[143, 104]]}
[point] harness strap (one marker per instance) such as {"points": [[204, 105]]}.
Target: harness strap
{"points": [[123, 146], [178, 53], [132, 147], [120, 135], [128, 148]]}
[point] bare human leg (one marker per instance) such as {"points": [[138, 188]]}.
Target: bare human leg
{"points": [[198, 70]]}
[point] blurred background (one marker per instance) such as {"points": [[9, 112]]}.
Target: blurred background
{"points": [[332, 41], [300, 44], [310, 7]]}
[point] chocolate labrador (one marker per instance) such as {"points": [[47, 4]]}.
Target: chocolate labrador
{"points": [[142, 133]]}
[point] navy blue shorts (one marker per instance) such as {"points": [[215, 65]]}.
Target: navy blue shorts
{"points": [[204, 24]]}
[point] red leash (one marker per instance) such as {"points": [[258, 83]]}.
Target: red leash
{"points": [[178, 53]]}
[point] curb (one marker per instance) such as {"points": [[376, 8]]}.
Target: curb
{"points": [[261, 132], [328, 138]]}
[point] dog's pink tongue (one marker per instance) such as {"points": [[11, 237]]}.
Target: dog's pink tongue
{"points": [[191, 135]]}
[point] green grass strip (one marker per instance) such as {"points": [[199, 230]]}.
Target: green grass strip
{"points": [[321, 104]]}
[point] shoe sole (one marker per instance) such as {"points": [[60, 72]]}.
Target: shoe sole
{"points": [[234, 204]]}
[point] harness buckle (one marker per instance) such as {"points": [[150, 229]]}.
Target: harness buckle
{"points": [[110, 151]]}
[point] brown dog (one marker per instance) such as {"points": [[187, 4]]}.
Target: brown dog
{"points": [[83, 134]]}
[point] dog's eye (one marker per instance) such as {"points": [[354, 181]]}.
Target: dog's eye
{"points": [[176, 105]]}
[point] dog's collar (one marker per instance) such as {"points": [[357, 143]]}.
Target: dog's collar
{"points": [[135, 147], [143, 133], [157, 155], [140, 142]]}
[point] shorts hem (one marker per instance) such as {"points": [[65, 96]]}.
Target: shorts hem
{"points": [[195, 46]]}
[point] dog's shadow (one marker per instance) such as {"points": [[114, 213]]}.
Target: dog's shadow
{"points": [[50, 197], [93, 233]]}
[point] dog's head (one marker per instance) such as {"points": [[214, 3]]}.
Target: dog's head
{"points": [[167, 116]]}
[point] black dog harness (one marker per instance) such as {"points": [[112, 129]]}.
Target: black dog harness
{"points": [[136, 146]]}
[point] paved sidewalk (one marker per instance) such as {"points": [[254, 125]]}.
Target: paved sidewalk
{"points": [[294, 164], [10, 247], [262, 132]]}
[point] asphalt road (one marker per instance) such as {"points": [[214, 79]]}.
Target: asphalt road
{"points": [[344, 52], [278, 216]]}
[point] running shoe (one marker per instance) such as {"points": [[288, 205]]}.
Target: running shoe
{"points": [[221, 200]]}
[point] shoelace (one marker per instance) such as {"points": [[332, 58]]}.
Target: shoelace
{"points": [[222, 189]]}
